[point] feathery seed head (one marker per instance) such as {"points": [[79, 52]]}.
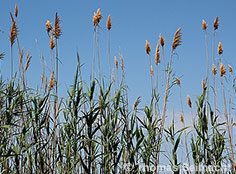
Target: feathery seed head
{"points": [[28, 58], [21, 55], [13, 33], [16, 11], [151, 70], [138, 100], [204, 25], [177, 39], [220, 49], [97, 17], [189, 102], [222, 70], [57, 28], [48, 26], [147, 48], [214, 71], [162, 40], [52, 44], [27, 63], [216, 23], [109, 22], [42, 79], [166, 138], [177, 81], [203, 84], [116, 62], [230, 69], [157, 57], [122, 62], [182, 118], [51, 81]]}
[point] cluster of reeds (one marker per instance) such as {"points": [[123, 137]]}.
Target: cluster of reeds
{"points": [[95, 130]]}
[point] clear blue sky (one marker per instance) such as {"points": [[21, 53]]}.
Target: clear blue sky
{"points": [[133, 22]]}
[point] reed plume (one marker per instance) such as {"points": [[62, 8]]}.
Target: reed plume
{"points": [[116, 62], [16, 11], [214, 70], [220, 49], [162, 42], [28, 58], [148, 50], [230, 69], [157, 57], [12, 37], [177, 81], [52, 43], [157, 61], [136, 103], [57, 27], [13, 32], [203, 84], [48, 26], [216, 23], [151, 70], [51, 81], [21, 55], [182, 118], [222, 70], [97, 17], [122, 62], [177, 39], [189, 101], [204, 25], [109, 22]]}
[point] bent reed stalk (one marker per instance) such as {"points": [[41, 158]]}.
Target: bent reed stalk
{"points": [[175, 44]]}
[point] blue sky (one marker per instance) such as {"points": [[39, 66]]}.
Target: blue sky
{"points": [[133, 22]]}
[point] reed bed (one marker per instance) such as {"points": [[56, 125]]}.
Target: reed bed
{"points": [[95, 130]]}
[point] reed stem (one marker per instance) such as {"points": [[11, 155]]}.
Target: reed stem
{"points": [[214, 78], [164, 109], [94, 41], [109, 56], [98, 58], [207, 74], [227, 123]]}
